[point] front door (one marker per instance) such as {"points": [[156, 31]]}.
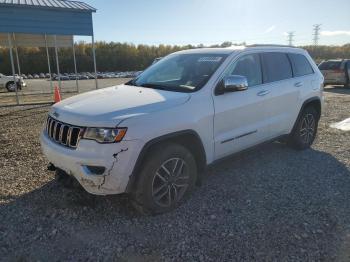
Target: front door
{"points": [[240, 119]]}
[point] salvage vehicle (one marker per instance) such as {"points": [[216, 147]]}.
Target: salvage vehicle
{"points": [[336, 72], [153, 136], [8, 82]]}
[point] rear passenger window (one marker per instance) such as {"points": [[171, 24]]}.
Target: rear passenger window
{"points": [[330, 65], [276, 66], [301, 65]]}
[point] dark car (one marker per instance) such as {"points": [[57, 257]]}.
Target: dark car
{"points": [[336, 72]]}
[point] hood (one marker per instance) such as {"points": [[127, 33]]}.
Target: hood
{"points": [[107, 107]]}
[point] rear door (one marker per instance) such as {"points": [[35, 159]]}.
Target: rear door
{"points": [[282, 102]]}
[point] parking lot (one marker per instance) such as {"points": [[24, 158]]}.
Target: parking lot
{"points": [[39, 90], [269, 204]]}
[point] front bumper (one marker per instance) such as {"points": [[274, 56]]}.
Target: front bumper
{"points": [[118, 160]]}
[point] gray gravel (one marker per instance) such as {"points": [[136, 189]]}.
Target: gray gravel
{"points": [[269, 204]]}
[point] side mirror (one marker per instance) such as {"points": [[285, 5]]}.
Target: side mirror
{"points": [[232, 83]]}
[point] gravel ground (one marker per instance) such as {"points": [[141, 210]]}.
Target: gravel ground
{"points": [[269, 204]]}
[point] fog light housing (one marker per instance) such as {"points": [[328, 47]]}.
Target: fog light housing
{"points": [[95, 170]]}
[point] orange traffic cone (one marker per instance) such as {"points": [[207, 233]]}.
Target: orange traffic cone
{"points": [[57, 95]]}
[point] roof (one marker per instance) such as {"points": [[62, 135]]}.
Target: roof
{"points": [[209, 50], [232, 49], [51, 17], [49, 4]]}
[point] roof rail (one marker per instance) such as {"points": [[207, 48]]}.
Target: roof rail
{"points": [[275, 45]]}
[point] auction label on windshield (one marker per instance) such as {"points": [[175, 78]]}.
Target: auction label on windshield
{"points": [[210, 59]]}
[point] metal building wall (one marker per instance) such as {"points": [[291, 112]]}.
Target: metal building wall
{"points": [[45, 21]]}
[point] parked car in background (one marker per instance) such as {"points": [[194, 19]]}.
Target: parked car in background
{"points": [[62, 77], [36, 76], [42, 75], [29, 76], [153, 136], [336, 72], [8, 83], [47, 75]]}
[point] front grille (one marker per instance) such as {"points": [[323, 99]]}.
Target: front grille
{"points": [[63, 134]]}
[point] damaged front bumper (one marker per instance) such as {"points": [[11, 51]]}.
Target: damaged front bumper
{"points": [[102, 169]]}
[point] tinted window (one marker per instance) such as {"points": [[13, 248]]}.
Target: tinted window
{"points": [[330, 65], [248, 66], [301, 65], [276, 66]]}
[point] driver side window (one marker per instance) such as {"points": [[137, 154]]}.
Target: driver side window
{"points": [[248, 66]]}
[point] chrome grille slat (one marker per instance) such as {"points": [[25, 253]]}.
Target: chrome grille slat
{"points": [[63, 134], [69, 135], [54, 131]]}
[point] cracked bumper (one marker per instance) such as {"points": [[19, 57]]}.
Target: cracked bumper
{"points": [[90, 153]]}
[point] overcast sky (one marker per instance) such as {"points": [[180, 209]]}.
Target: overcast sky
{"points": [[215, 21]]}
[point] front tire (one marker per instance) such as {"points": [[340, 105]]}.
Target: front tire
{"points": [[305, 131], [167, 177], [11, 86]]}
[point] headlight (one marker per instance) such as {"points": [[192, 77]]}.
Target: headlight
{"points": [[105, 135]]}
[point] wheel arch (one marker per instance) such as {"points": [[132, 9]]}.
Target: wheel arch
{"points": [[312, 101], [180, 137]]}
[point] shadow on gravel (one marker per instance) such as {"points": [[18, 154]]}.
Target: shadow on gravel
{"points": [[272, 203]]}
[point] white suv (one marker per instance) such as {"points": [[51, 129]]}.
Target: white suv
{"points": [[8, 83], [153, 136]]}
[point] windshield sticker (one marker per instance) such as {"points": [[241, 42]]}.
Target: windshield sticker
{"points": [[210, 59]]}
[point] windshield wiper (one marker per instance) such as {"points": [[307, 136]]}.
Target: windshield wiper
{"points": [[155, 86]]}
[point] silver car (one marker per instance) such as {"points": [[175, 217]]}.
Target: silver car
{"points": [[336, 72]]}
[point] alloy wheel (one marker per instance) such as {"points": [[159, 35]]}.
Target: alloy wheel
{"points": [[12, 87], [307, 129], [170, 182]]}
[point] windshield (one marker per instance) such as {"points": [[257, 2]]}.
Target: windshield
{"points": [[180, 72]]}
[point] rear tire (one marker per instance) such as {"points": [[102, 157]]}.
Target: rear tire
{"points": [[304, 133], [166, 179]]}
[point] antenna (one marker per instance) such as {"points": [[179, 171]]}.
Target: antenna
{"points": [[316, 33]]}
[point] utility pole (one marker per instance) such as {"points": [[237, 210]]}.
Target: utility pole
{"points": [[290, 38], [316, 33]]}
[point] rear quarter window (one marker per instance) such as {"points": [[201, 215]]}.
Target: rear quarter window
{"points": [[276, 66], [330, 65], [300, 65]]}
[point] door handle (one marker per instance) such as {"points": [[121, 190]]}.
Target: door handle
{"points": [[263, 93], [298, 84]]}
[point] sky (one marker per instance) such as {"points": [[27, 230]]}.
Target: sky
{"points": [[211, 22]]}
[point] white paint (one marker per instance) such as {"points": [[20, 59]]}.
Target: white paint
{"points": [[343, 125]]}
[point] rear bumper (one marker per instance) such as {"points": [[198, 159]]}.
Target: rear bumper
{"points": [[118, 160]]}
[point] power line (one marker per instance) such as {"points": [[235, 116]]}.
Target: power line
{"points": [[316, 33], [290, 38]]}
